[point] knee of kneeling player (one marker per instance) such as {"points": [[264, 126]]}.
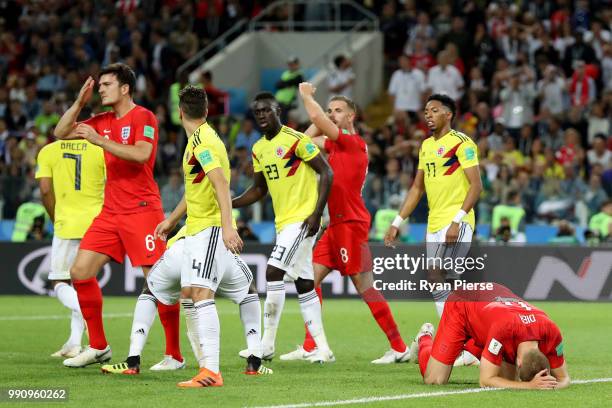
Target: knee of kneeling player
{"points": [[304, 285]]}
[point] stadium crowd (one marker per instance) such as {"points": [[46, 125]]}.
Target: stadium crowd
{"points": [[532, 80]]}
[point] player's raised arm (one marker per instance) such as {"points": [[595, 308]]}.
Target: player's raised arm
{"points": [[68, 121], [254, 193], [412, 199], [316, 135], [315, 112], [139, 152], [326, 176]]}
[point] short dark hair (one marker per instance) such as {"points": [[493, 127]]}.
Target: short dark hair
{"points": [[338, 60], [124, 73], [264, 96], [349, 102], [445, 100], [193, 102]]}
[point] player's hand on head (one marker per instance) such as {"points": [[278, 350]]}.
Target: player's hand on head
{"points": [[312, 224], [86, 91], [163, 229], [544, 381], [232, 240], [391, 236], [307, 89]]}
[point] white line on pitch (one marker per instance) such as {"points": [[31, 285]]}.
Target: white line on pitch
{"points": [[366, 400]]}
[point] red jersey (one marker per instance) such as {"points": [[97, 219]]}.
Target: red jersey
{"points": [[130, 187], [500, 324], [348, 158]]}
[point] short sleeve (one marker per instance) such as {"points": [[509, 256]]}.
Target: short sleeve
{"points": [[146, 127], [43, 164], [421, 165], [493, 349], [306, 149], [555, 355], [256, 164], [468, 155], [207, 156]]}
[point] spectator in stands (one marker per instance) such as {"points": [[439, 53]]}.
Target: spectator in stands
{"points": [[47, 119], [172, 192], [512, 210], [565, 235], [598, 122], [38, 232], [553, 134], [217, 98], [569, 152], [406, 89], [601, 223], [517, 99], [385, 215], [445, 78], [599, 154], [247, 137], [341, 78], [582, 88], [391, 181], [245, 232], [595, 195], [552, 91], [288, 84]]}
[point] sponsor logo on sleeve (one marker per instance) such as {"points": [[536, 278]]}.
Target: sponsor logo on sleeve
{"points": [[345, 132], [559, 349], [205, 157], [149, 132], [310, 148], [470, 153], [494, 347]]}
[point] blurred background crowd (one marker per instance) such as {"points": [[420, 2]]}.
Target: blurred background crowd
{"points": [[532, 80]]}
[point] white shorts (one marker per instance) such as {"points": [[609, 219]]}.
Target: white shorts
{"points": [[164, 279], [293, 252], [207, 263], [437, 248], [63, 253]]}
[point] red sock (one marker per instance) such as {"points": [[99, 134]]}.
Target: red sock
{"points": [[309, 343], [425, 345], [381, 312], [169, 317], [471, 347], [90, 300]]}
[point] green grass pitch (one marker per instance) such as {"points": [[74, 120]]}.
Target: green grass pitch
{"points": [[31, 330]]}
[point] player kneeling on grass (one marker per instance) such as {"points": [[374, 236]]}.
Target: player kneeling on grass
{"points": [[164, 285], [520, 346]]}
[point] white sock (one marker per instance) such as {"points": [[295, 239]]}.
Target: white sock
{"points": [[191, 321], [311, 312], [144, 315], [250, 314], [209, 330], [68, 297], [440, 297], [273, 307]]}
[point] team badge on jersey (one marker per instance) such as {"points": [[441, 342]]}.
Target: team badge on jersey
{"points": [[280, 152], [125, 133], [440, 151]]}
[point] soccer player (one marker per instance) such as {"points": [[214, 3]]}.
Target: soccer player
{"points": [[71, 176], [344, 244], [164, 285], [448, 173], [521, 347], [210, 264], [131, 210], [286, 163]]}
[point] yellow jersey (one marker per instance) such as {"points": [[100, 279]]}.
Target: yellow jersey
{"points": [[78, 172], [180, 234], [446, 185], [292, 184], [205, 151]]}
